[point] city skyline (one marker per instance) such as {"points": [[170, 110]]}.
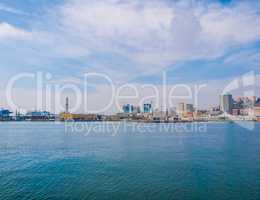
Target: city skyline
{"points": [[228, 107]]}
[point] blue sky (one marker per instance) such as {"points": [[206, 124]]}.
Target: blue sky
{"points": [[130, 40]]}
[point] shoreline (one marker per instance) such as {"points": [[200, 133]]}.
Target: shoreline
{"points": [[132, 121]]}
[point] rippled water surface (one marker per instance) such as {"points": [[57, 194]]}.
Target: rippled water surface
{"points": [[49, 161]]}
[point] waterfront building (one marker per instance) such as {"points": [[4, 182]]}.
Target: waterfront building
{"points": [[172, 112], [185, 109], [189, 108], [128, 108], [112, 118], [245, 111], [257, 103], [39, 116], [80, 117], [148, 108], [226, 103], [5, 115], [18, 116], [215, 111], [181, 108], [235, 112], [86, 117], [136, 110], [201, 115], [189, 116], [65, 116], [159, 115], [244, 102], [255, 112]]}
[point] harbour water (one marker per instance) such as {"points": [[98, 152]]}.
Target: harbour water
{"points": [[48, 161]]}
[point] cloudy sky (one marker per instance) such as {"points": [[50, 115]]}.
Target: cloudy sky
{"points": [[131, 41]]}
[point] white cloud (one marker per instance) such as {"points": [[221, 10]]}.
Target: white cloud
{"points": [[156, 34], [108, 19], [239, 24], [8, 31], [148, 35]]}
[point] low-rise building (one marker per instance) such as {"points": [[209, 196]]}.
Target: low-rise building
{"points": [[39, 116], [136, 110], [185, 109], [201, 115], [245, 111], [79, 117], [257, 113], [128, 108], [215, 111], [5, 115], [235, 112], [159, 115]]}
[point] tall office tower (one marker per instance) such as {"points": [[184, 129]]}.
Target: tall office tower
{"points": [[67, 105], [226, 103]]}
